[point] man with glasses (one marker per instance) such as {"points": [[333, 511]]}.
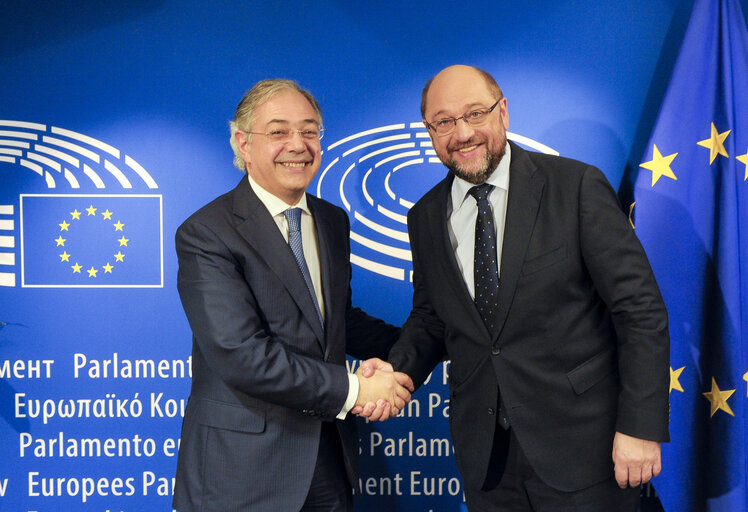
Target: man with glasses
{"points": [[264, 278], [529, 278]]}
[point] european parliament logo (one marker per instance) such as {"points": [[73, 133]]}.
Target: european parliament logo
{"points": [[77, 240], [378, 175], [91, 241]]}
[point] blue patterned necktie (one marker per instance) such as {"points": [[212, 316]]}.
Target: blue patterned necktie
{"points": [[293, 216], [485, 266]]}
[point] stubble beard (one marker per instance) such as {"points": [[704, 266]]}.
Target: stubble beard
{"points": [[490, 162]]}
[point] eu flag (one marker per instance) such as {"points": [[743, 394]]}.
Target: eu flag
{"points": [[91, 241], [691, 214]]}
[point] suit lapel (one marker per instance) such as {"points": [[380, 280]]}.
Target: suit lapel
{"points": [[525, 192], [260, 230], [445, 254], [328, 274]]}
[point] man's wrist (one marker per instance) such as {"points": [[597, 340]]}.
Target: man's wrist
{"points": [[350, 400]]}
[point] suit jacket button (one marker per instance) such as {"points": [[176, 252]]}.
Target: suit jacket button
{"points": [[495, 350]]}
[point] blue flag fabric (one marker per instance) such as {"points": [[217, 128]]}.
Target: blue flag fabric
{"points": [[91, 241], [691, 214]]}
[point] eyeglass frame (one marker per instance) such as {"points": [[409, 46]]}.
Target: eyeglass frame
{"points": [[455, 119], [290, 134]]}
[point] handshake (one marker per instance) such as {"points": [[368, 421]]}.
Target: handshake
{"points": [[382, 392]]}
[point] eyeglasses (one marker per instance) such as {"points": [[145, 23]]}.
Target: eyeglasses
{"points": [[283, 135], [475, 117]]}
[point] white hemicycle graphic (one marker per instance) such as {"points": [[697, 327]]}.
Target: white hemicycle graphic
{"points": [[379, 174], [65, 158], [66, 161]]}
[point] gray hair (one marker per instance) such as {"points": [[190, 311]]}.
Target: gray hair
{"points": [[246, 111]]}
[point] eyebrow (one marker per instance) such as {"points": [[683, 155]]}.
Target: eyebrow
{"points": [[285, 121]]}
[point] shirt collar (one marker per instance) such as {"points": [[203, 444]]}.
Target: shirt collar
{"points": [[499, 179], [274, 204]]}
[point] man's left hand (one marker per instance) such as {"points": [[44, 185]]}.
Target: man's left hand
{"points": [[636, 460]]}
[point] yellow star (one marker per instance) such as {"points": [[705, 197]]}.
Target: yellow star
{"points": [[76, 214], [64, 257], [76, 268], [743, 159], [674, 376], [91, 210], [715, 143], [60, 241], [119, 256], [107, 268], [118, 226], [123, 241], [107, 214], [745, 378], [92, 272], [718, 399], [660, 165], [64, 226]]}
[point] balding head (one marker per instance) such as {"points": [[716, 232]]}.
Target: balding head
{"points": [[460, 74]]}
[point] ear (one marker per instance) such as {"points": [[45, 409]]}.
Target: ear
{"points": [[503, 108], [242, 144]]}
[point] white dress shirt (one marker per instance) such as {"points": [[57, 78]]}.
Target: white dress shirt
{"points": [[462, 212], [276, 207]]}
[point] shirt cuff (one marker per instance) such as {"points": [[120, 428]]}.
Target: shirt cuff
{"points": [[352, 396]]}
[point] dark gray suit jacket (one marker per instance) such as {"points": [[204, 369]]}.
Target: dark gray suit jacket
{"points": [[265, 374], [582, 347]]}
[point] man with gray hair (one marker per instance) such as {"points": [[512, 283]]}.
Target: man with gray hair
{"points": [[264, 279]]}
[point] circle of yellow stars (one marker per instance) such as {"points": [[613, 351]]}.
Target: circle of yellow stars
{"points": [[91, 211]]}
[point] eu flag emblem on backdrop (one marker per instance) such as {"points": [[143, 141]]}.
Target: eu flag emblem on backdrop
{"points": [[91, 241], [691, 214]]}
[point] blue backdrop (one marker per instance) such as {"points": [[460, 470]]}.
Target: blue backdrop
{"points": [[113, 129]]}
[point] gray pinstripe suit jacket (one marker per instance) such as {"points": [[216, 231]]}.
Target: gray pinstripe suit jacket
{"points": [[265, 374]]}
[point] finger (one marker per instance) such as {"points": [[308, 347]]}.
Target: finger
{"points": [[404, 380], [357, 410], [646, 473], [384, 366], [382, 405], [399, 403], [403, 394], [622, 477], [656, 467], [375, 415], [635, 476], [367, 368], [368, 409], [385, 408]]}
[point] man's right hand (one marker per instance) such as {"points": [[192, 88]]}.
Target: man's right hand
{"points": [[384, 388]]}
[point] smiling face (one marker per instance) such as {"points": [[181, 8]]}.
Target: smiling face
{"points": [[470, 152], [283, 168]]}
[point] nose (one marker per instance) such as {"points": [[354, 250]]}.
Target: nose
{"points": [[463, 131], [296, 142]]}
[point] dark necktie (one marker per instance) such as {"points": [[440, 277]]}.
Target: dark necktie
{"points": [[293, 216], [485, 266], [485, 271]]}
